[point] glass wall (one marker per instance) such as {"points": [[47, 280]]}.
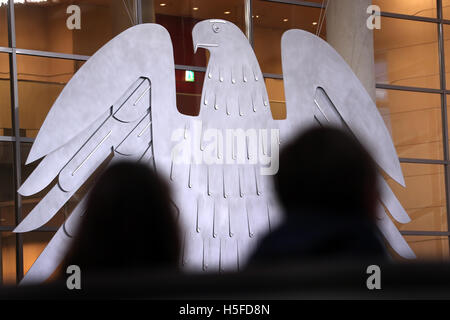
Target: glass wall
{"points": [[410, 70], [42, 25], [5, 101], [179, 17]]}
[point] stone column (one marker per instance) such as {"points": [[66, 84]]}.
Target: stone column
{"points": [[347, 32]]}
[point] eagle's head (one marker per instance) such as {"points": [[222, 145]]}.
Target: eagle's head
{"points": [[217, 36]]}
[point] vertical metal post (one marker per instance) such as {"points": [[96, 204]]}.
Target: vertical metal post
{"points": [[138, 11], [444, 115], [1, 259], [249, 21], [16, 126]]}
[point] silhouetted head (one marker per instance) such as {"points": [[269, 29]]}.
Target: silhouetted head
{"points": [[327, 170], [129, 222]]}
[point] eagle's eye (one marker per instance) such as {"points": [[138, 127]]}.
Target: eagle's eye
{"points": [[216, 28]]}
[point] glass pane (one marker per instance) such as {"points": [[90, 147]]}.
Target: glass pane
{"points": [[446, 9], [8, 245], [429, 247], [40, 82], [406, 53], [420, 8], [414, 121], [45, 25], [271, 20], [5, 94], [3, 24], [446, 33], [189, 91], [423, 198], [6, 184], [33, 245], [275, 90], [448, 114], [179, 18]]}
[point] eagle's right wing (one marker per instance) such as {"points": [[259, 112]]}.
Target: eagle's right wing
{"points": [[103, 113]]}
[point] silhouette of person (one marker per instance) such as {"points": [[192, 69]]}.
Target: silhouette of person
{"points": [[129, 223], [327, 184]]}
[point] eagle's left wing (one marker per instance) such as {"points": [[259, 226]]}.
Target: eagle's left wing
{"points": [[322, 89]]}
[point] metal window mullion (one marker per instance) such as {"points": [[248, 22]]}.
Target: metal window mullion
{"points": [[273, 76], [298, 3], [409, 17], [442, 76], [1, 259], [5, 50], [423, 161], [190, 68], [248, 12], [50, 54], [13, 139], [425, 233], [7, 139], [16, 143], [407, 88], [413, 18], [138, 6]]}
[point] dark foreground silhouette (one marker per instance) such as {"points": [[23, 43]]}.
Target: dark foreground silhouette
{"points": [[129, 223], [327, 184]]}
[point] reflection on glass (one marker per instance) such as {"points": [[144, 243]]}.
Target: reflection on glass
{"points": [[275, 91], [448, 114], [43, 25], [429, 247], [8, 247], [5, 101], [40, 82], [406, 53], [3, 25], [446, 9], [419, 8], [189, 91], [414, 121], [179, 18], [6, 184], [33, 245], [423, 198], [446, 34], [271, 20]]}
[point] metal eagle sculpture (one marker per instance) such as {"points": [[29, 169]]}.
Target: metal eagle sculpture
{"points": [[121, 104]]}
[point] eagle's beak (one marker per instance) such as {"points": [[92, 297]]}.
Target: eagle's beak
{"points": [[200, 34], [204, 45]]}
